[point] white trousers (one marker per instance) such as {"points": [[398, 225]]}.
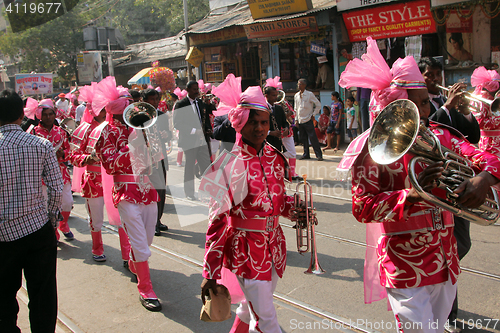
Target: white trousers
{"points": [[139, 222], [95, 209], [422, 309], [257, 309], [67, 197], [214, 146], [289, 145]]}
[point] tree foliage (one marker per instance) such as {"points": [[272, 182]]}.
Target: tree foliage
{"points": [[53, 46]]}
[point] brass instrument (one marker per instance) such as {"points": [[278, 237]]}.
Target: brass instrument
{"points": [[306, 237], [398, 130], [68, 125], [141, 116], [494, 105], [281, 96]]}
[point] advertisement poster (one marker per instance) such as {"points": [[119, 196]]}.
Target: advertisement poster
{"points": [[89, 67], [459, 38], [34, 84], [395, 20]]}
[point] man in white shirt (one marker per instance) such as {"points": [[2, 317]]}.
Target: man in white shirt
{"points": [[80, 109], [62, 103], [306, 106]]}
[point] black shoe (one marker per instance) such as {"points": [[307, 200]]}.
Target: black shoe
{"points": [[157, 230], [163, 227], [151, 304], [125, 264], [320, 159], [305, 158], [297, 178]]}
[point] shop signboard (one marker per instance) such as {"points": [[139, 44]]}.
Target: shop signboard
{"points": [[268, 8], [395, 20], [194, 56], [318, 49], [306, 24], [89, 67], [235, 32], [353, 4], [439, 3], [34, 84]]}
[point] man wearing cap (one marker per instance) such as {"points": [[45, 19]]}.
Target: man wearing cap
{"points": [[62, 104], [416, 252], [244, 235], [59, 139], [324, 80], [133, 193]]}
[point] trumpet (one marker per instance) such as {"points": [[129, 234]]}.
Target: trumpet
{"points": [[494, 104], [398, 130], [281, 96], [306, 237]]}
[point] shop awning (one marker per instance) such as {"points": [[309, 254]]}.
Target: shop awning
{"points": [[241, 15], [140, 78]]}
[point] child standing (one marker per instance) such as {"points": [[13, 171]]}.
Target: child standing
{"points": [[352, 119]]}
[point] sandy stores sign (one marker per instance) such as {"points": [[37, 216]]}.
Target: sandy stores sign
{"points": [[398, 20]]}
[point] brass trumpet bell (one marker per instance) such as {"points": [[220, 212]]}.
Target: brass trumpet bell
{"points": [[140, 115]]}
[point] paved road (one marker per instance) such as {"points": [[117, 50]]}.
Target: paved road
{"points": [[102, 297]]}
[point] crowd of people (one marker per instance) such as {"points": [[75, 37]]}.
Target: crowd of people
{"points": [[119, 163]]}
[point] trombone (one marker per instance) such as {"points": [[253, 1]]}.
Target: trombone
{"points": [[494, 104], [306, 236]]}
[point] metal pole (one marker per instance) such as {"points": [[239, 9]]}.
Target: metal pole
{"points": [[110, 61], [186, 27]]}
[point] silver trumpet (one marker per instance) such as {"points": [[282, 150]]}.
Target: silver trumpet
{"points": [[306, 236], [398, 130], [494, 105]]}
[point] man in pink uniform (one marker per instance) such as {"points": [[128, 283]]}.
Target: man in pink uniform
{"points": [[133, 195], [417, 252], [91, 182], [245, 236], [58, 137]]}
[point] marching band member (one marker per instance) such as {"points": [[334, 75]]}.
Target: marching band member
{"points": [[133, 195], [486, 83], [286, 132], [244, 233], [420, 288], [152, 97], [59, 139], [91, 180]]}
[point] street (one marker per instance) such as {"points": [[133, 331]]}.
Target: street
{"points": [[103, 297]]}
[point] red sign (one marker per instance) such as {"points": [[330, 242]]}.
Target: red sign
{"points": [[457, 24], [398, 20], [294, 26]]}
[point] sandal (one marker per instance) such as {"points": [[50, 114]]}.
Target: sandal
{"points": [[326, 148]]}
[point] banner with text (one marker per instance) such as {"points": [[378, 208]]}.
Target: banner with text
{"points": [[398, 20], [352, 4], [299, 25], [34, 84], [268, 8], [235, 32], [89, 67]]}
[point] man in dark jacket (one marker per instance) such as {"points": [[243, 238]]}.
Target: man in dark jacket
{"points": [[447, 112], [224, 132], [193, 122], [279, 125]]}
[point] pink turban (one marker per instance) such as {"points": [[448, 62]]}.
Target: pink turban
{"points": [[236, 104], [87, 95], [274, 83], [204, 87], [180, 94], [108, 95], [483, 78], [388, 84], [31, 107], [44, 104]]}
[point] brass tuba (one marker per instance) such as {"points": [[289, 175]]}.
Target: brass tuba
{"points": [[398, 130], [494, 104], [306, 236]]}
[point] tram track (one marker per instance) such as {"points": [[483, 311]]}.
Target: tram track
{"points": [[351, 241]]}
